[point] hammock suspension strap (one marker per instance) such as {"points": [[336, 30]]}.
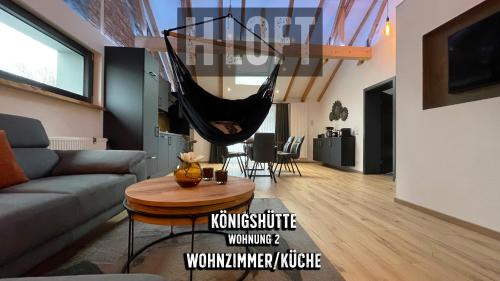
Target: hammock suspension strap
{"points": [[228, 15]]}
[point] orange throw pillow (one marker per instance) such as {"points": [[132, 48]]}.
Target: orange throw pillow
{"points": [[10, 172]]}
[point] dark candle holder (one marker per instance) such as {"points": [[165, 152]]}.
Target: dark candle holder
{"points": [[221, 176], [208, 174]]}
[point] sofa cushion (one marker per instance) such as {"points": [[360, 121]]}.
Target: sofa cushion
{"points": [[106, 277], [10, 172], [36, 162], [28, 220], [23, 131], [74, 162], [94, 193]]}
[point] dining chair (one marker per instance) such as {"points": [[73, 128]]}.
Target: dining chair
{"points": [[290, 157], [228, 155], [263, 152]]}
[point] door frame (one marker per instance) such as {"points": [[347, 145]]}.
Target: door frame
{"points": [[365, 92]]}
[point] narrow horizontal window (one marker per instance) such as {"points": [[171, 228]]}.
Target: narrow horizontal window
{"points": [[34, 53]]}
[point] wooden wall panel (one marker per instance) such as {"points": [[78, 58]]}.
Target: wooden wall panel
{"points": [[435, 60]]}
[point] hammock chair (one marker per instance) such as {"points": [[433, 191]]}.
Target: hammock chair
{"points": [[206, 112]]}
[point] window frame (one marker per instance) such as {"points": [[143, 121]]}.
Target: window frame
{"points": [[35, 22]]}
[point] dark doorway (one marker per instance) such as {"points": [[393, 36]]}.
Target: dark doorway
{"points": [[379, 144]]}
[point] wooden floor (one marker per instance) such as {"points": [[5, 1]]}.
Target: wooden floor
{"points": [[353, 219]]}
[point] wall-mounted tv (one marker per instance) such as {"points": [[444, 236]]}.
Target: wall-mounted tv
{"points": [[474, 56]]}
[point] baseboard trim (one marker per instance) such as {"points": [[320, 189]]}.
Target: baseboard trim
{"points": [[456, 221]]}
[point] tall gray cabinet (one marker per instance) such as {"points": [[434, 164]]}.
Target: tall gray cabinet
{"points": [[132, 98]]}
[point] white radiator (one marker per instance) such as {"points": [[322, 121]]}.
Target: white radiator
{"points": [[77, 143]]}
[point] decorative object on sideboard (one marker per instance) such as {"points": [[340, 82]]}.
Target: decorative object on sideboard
{"points": [[336, 109], [329, 132], [345, 132], [344, 114], [339, 112]]}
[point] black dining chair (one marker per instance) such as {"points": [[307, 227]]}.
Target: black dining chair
{"points": [[287, 147], [290, 157], [228, 155], [263, 152]]}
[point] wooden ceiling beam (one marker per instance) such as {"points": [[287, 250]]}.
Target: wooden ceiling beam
{"points": [[336, 23], [154, 25], [221, 65], [374, 27], [242, 17], [353, 40], [376, 23], [288, 88], [340, 16], [348, 4], [186, 4], [287, 31], [335, 70], [291, 4], [219, 47], [311, 31]]}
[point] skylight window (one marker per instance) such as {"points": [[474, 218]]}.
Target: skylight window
{"points": [[250, 80]]}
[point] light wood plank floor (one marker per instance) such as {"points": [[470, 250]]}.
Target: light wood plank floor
{"points": [[353, 219]]}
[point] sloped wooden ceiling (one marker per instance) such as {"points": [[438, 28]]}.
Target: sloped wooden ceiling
{"points": [[360, 19]]}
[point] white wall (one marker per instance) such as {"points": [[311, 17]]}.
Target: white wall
{"points": [[348, 86], [61, 118], [447, 157]]}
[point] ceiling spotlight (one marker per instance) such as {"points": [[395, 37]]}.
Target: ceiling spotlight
{"points": [[229, 89]]}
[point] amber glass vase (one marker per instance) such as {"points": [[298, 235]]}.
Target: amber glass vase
{"points": [[188, 174]]}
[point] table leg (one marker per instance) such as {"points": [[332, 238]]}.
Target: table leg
{"points": [[130, 251]]}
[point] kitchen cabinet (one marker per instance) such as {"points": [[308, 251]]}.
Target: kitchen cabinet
{"points": [[171, 145], [133, 94]]}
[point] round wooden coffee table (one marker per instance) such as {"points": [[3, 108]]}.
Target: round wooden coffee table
{"points": [[161, 201]]}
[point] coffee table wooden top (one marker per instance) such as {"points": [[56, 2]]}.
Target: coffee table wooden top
{"points": [[165, 192]]}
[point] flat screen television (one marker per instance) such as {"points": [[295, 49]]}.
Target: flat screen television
{"points": [[474, 56]]}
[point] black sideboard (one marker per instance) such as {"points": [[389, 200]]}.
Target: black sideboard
{"points": [[336, 151]]}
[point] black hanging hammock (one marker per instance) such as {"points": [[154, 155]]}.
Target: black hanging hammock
{"points": [[202, 109]]}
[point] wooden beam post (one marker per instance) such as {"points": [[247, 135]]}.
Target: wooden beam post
{"points": [[292, 50]]}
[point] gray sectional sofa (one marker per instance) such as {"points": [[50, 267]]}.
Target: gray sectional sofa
{"points": [[68, 195]]}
